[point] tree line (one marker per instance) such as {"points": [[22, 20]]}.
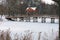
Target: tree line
{"points": [[18, 7]]}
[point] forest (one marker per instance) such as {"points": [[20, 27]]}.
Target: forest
{"points": [[18, 7]]}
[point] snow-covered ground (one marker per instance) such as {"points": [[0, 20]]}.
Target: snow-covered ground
{"points": [[20, 27]]}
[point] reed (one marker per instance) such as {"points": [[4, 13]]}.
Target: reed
{"points": [[28, 35]]}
